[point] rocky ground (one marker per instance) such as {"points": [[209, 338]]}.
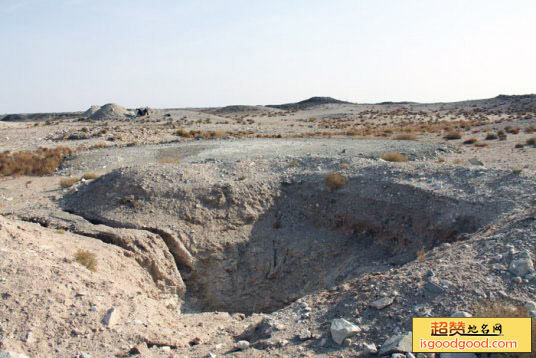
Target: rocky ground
{"points": [[210, 241]]}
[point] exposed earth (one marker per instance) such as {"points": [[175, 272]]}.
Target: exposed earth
{"points": [[313, 229]]}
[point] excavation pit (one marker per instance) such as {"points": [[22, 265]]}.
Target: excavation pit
{"points": [[258, 244]]}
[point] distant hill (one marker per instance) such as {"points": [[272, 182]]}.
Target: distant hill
{"points": [[311, 102], [22, 117]]}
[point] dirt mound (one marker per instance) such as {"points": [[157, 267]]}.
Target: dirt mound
{"points": [[91, 111], [111, 111], [260, 243]]}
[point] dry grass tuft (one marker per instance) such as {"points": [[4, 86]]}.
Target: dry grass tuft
{"points": [[405, 136], [394, 157], [43, 161], [421, 255], [531, 141], [294, 163], [451, 135], [90, 176], [69, 182], [505, 309], [87, 259], [470, 141], [335, 181]]}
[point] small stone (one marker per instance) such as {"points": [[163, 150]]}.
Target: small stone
{"points": [[165, 348], [346, 342], [425, 355], [530, 305], [84, 355], [242, 345], [382, 302], [367, 347], [398, 355], [210, 355], [342, 329], [475, 161], [141, 349], [460, 314], [522, 264], [282, 342], [458, 355], [517, 280], [434, 287], [111, 317], [305, 335], [397, 344]]}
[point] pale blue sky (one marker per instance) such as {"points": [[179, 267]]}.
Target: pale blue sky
{"points": [[61, 55]]}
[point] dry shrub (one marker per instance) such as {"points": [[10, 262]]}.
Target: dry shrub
{"points": [[512, 130], [43, 161], [405, 136], [470, 141], [169, 159], [294, 163], [69, 182], [394, 157], [491, 136], [530, 129], [481, 145], [421, 255], [451, 135], [90, 176], [335, 181], [502, 308], [87, 259], [531, 141], [184, 133]]}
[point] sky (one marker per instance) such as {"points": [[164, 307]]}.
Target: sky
{"points": [[66, 55]]}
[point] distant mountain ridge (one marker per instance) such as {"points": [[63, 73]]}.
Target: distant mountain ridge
{"points": [[313, 101]]}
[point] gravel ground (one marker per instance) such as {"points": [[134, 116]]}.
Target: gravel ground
{"points": [[104, 160]]}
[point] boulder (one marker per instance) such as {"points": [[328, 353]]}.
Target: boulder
{"points": [[397, 344], [342, 329]]}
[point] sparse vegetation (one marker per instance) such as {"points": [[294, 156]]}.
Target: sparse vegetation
{"points": [[421, 255], [69, 182], [90, 176], [491, 136], [517, 171], [394, 157], [335, 181], [531, 141], [451, 135], [43, 161], [502, 308], [87, 259], [470, 141], [405, 136]]}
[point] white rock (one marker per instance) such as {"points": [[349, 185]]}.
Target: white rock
{"points": [[342, 329], [461, 314], [382, 302], [242, 345], [530, 305], [111, 317], [368, 347]]}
